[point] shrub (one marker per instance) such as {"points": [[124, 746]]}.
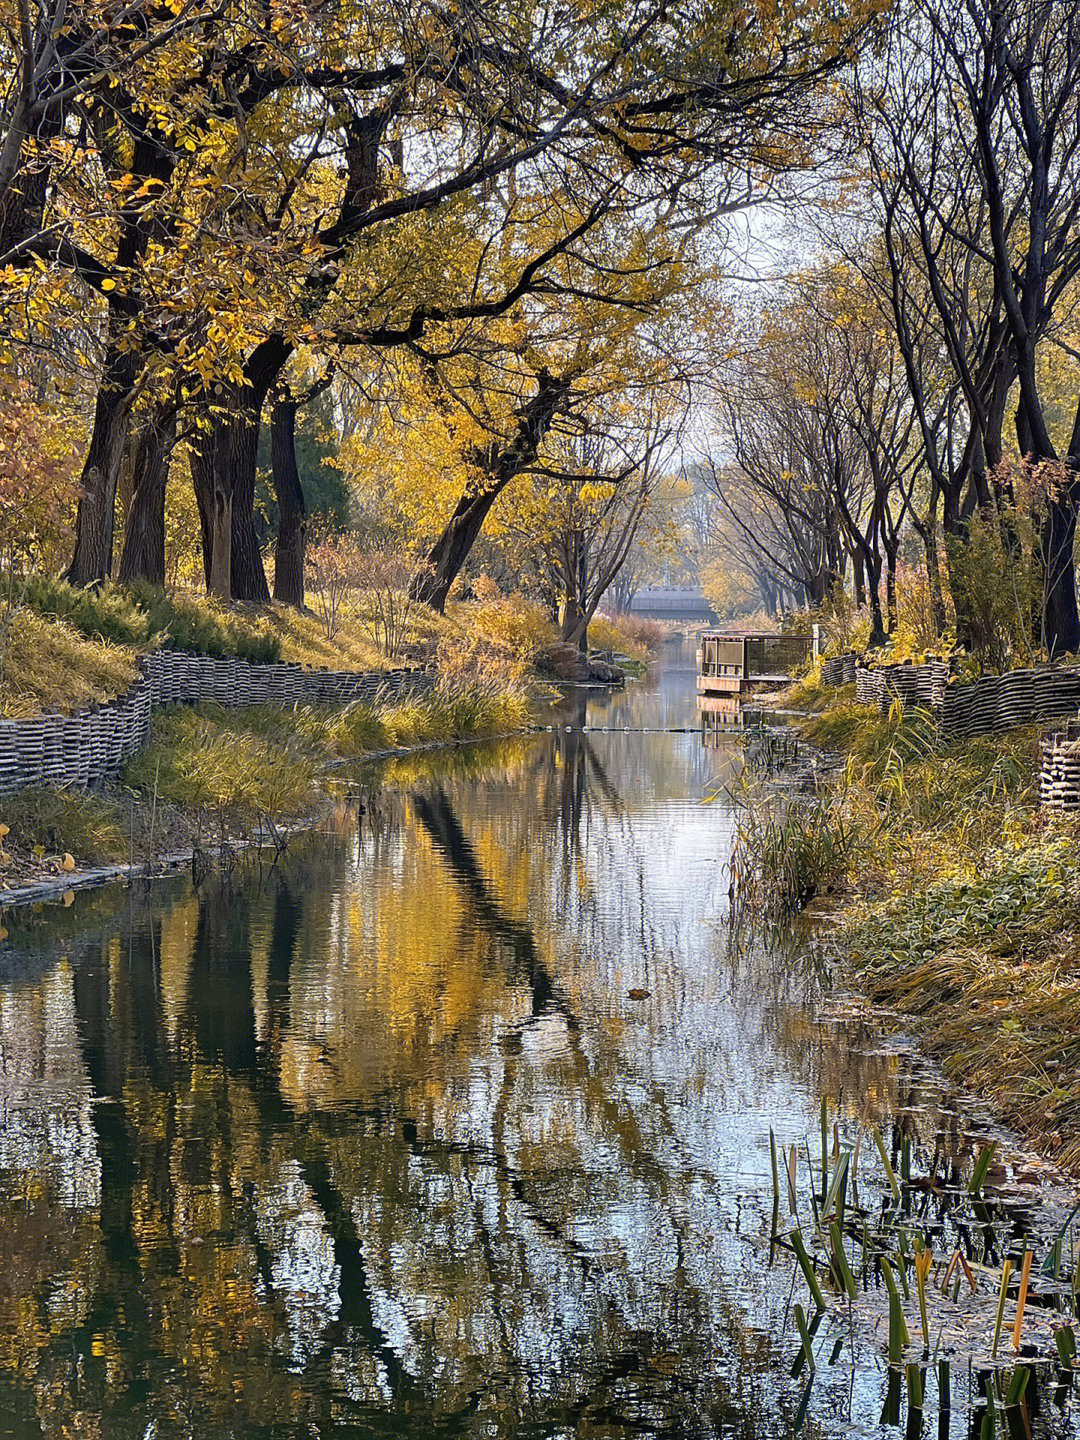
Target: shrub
{"points": [[106, 613], [334, 568], [494, 642], [384, 579], [632, 635]]}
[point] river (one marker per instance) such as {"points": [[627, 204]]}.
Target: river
{"points": [[455, 1122]]}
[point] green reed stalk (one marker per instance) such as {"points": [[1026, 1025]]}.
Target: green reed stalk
{"points": [[806, 1265]]}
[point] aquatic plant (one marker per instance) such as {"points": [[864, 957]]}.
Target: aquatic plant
{"points": [[887, 1253]]}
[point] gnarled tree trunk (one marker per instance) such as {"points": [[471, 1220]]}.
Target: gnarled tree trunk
{"points": [[292, 512], [143, 555]]}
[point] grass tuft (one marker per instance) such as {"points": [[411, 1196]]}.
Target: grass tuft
{"points": [[48, 665]]}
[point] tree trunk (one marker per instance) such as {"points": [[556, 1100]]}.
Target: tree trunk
{"points": [[890, 585], [451, 550], [143, 555], [91, 560], [574, 624], [223, 471], [211, 475], [1061, 623], [818, 586], [928, 533], [248, 575], [860, 579], [873, 591], [292, 512]]}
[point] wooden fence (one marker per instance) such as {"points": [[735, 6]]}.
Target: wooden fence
{"points": [[1059, 769], [989, 705], [992, 703], [838, 670], [92, 745]]}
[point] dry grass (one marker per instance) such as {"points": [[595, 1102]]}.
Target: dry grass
{"points": [[70, 648], [51, 666], [45, 824], [810, 696], [960, 904], [304, 641], [980, 944]]}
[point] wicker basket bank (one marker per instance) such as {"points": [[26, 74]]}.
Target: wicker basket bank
{"points": [[92, 745]]}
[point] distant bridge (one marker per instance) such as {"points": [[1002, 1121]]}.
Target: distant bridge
{"points": [[662, 603]]}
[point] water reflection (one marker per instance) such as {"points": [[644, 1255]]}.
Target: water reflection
{"points": [[453, 1124], [720, 715]]}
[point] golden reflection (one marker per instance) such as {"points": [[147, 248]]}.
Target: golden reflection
{"points": [[455, 1120]]}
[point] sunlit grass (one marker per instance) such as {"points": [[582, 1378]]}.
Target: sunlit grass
{"points": [[49, 665], [961, 900], [265, 760]]}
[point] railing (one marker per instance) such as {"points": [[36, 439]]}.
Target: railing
{"points": [[752, 657], [776, 654]]}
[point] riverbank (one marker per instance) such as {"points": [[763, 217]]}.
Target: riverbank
{"points": [[944, 894], [238, 776], [62, 648], [212, 779]]}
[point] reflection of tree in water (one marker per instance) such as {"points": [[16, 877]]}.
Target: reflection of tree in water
{"points": [[377, 1146]]}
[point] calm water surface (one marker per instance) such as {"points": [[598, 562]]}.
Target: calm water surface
{"points": [[378, 1142]]}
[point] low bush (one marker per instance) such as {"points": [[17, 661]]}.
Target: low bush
{"points": [[494, 641], [196, 623], [633, 635], [107, 613]]}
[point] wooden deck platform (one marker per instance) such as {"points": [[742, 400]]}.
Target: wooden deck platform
{"points": [[730, 663]]}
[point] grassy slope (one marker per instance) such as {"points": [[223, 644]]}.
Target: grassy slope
{"points": [[67, 648], [49, 665], [960, 902]]}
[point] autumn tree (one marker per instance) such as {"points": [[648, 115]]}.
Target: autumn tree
{"points": [[243, 182], [971, 119]]}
